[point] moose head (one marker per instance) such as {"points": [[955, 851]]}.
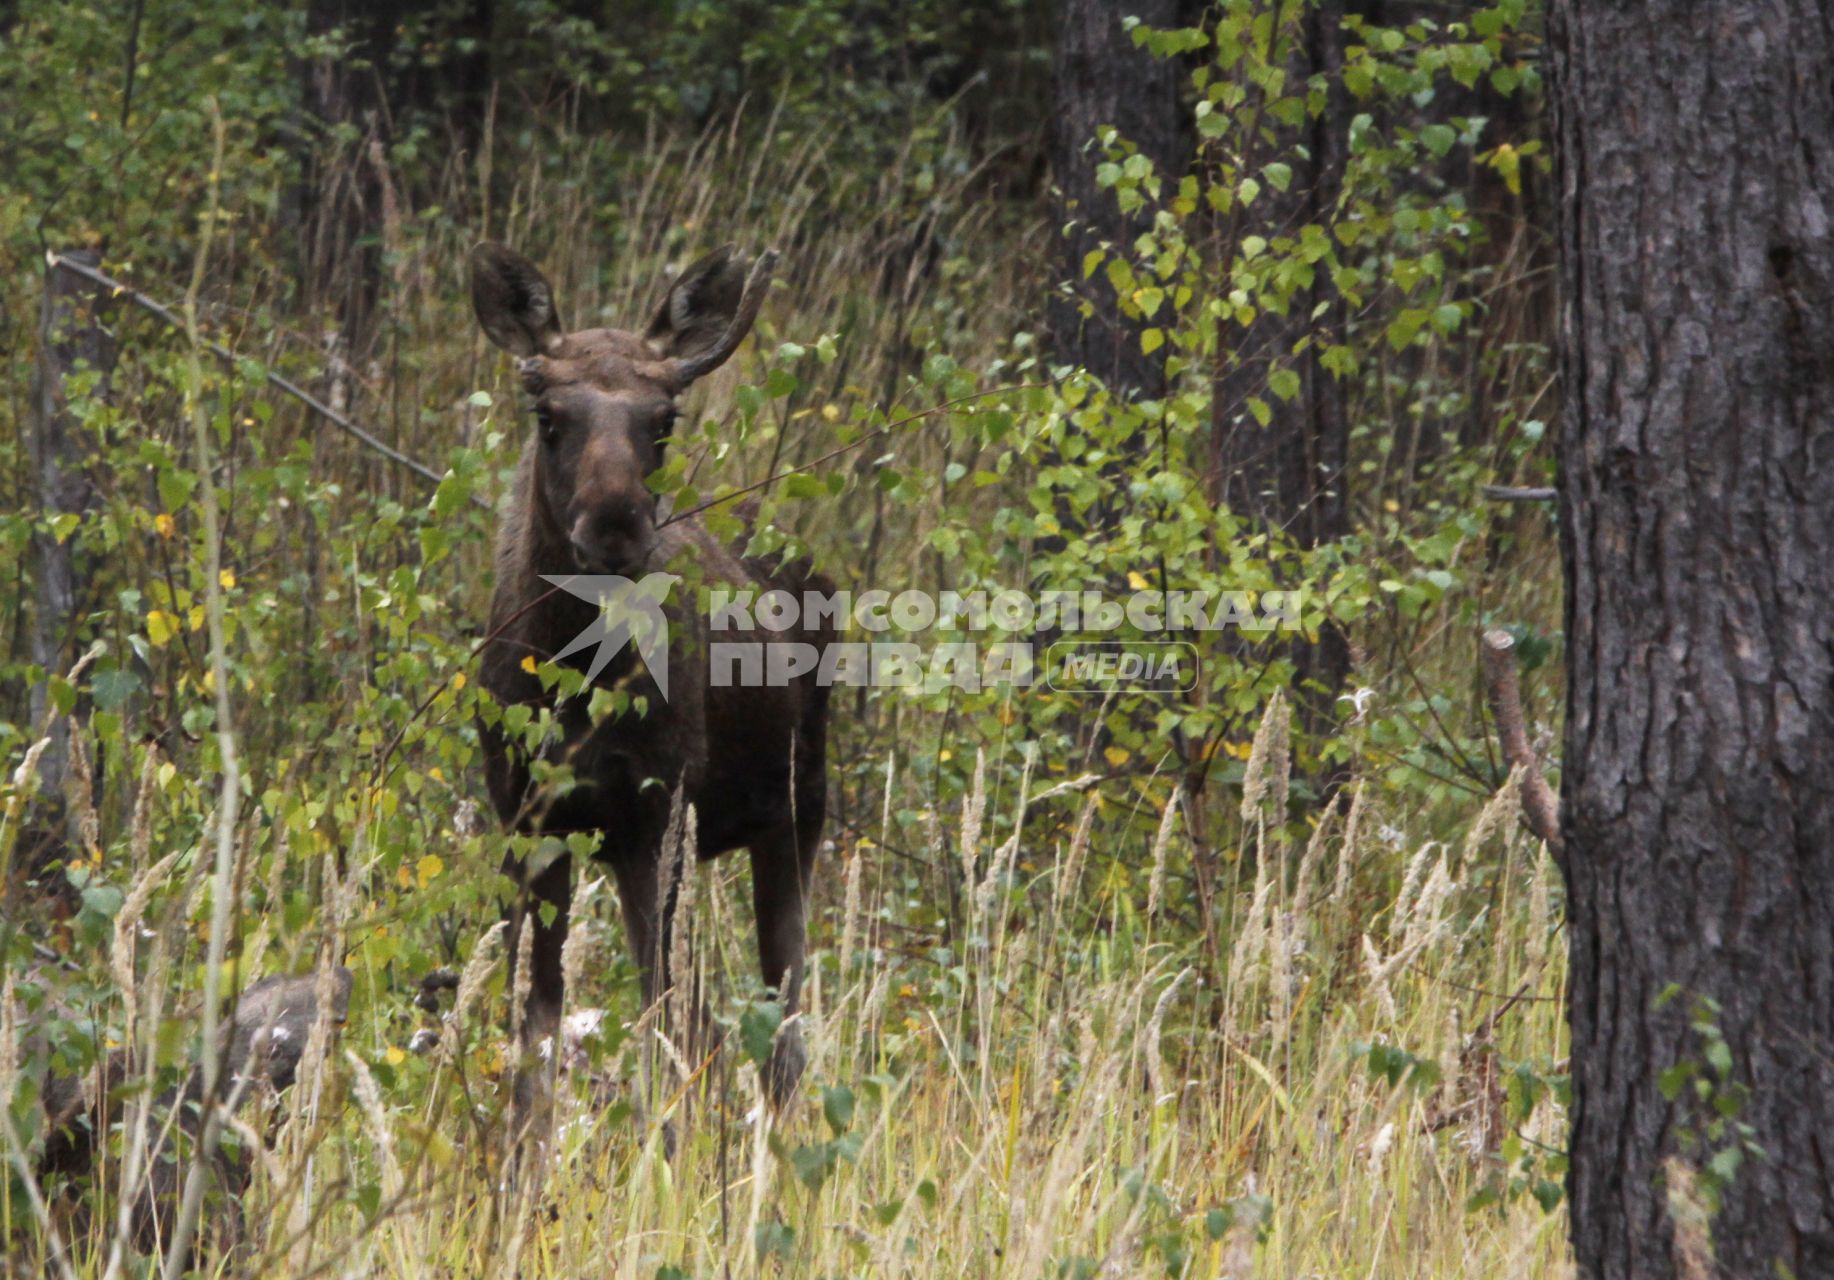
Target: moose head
{"points": [[605, 399]]}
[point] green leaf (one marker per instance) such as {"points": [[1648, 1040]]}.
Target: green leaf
{"points": [[758, 1029], [1725, 1164], [837, 1108], [109, 689], [1403, 328], [774, 1238], [1719, 1057]]}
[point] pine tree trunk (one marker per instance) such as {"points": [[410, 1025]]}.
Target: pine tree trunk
{"points": [[1696, 154]]}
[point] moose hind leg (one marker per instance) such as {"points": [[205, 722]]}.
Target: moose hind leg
{"points": [[780, 884]]}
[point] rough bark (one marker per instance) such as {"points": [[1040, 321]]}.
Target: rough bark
{"points": [[1696, 177], [1104, 80], [71, 338]]}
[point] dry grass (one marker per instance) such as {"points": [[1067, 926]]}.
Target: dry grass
{"points": [[1049, 1091]]}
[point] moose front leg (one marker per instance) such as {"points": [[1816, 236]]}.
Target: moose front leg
{"points": [[780, 869], [643, 929], [542, 903]]}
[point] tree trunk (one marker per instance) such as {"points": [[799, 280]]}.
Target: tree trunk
{"points": [[71, 339], [360, 103], [1104, 80], [1696, 153], [1290, 474]]}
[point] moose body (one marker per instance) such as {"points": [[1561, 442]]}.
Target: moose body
{"points": [[749, 760]]}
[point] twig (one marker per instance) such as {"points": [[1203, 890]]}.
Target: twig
{"points": [[58, 262], [1539, 807], [868, 438], [1509, 493]]}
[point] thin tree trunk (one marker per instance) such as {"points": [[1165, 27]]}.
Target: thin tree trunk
{"points": [[71, 338], [1696, 175]]}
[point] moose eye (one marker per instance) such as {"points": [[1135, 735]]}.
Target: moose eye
{"points": [[665, 422], [544, 419]]}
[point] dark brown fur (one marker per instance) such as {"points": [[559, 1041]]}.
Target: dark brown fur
{"points": [[751, 761], [263, 1042]]}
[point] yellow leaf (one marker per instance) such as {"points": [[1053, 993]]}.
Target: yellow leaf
{"points": [[164, 524], [945, 755], [1117, 756], [1137, 580], [458, 681], [404, 877], [196, 617], [429, 868], [529, 664], [160, 628], [437, 774], [226, 578], [394, 1056]]}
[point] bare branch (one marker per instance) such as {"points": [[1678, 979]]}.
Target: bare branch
{"points": [[1509, 493], [1540, 809], [64, 262]]}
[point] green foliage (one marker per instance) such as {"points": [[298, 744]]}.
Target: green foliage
{"points": [[1709, 1098], [1396, 1066], [924, 437]]}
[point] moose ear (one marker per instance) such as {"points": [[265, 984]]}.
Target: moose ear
{"points": [[513, 301], [700, 307]]}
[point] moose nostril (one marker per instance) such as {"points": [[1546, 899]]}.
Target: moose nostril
{"points": [[613, 537]]}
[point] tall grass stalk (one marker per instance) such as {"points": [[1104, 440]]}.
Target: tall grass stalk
{"points": [[222, 901]]}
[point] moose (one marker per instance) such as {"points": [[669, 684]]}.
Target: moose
{"points": [[749, 760]]}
